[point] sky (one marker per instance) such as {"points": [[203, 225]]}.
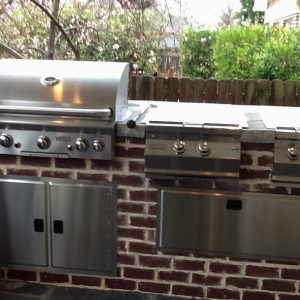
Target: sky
{"points": [[205, 12]]}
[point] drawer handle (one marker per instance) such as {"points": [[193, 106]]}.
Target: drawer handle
{"points": [[38, 225], [58, 227], [234, 204]]}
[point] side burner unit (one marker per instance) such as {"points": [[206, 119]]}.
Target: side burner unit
{"points": [[286, 166], [192, 150], [64, 109]]}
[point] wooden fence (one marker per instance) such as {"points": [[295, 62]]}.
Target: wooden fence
{"points": [[259, 92]]}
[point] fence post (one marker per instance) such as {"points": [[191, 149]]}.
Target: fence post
{"points": [[172, 89], [263, 92], [198, 90], [238, 91], [185, 89], [277, 92], [224, 91], [290, 92], [159, 88], [211, 91], [250, 91]]}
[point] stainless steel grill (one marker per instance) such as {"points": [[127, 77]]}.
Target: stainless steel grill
{"points": [[61, 108]]}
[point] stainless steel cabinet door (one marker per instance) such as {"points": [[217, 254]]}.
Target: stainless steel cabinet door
{"points": [[83, 226], [22, 222], [245, 225]]}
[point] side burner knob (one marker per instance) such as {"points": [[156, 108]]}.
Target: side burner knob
{"points": [[6, 140], [98, 145], [43, 142], [81, 144], [179, 147], [203, 148], [292, 153]]}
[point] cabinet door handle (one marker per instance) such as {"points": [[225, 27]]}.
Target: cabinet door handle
{"points": [[234, 204], [38, 225], [58, 226]]}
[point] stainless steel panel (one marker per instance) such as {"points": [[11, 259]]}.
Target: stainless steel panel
{"points": [[83, 224], [243, 225], [22, 211]]}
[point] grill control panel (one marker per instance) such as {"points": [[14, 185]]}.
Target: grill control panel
{"points": [[57, 144]]}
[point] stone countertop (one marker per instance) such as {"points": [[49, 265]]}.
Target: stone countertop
{"points": [[257, 123]]}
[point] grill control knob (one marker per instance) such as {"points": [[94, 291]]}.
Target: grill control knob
{"points": [[98, 145], [81, 144], [292, 153], [6, 140], [43, 142], [179, 147], [203, 148]]}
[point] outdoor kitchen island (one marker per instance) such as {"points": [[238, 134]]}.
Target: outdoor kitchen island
{"points": [[218, 248]]}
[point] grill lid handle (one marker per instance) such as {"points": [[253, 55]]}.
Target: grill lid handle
{"points": [[55, 111]]}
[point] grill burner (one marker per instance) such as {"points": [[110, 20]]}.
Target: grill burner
{"points": [[61, 108]]}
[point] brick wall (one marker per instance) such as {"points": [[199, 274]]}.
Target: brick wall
{"points": [[140, 266]]}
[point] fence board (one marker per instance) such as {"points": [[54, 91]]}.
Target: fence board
{"points": [[224, 91], [277, 92], [185, 90], [290, 93], [136, 87], [198, 90], [211, 90], [173, 89], [237, 94], [148, 88], [250, 92], [263, 92], [159, 88]]}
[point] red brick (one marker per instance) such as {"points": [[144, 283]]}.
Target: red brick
{"points": [[265, 161], [130, 207], [136, 166], [56, 174], [25, 172], [121, 151], [173, 276], [135, 152], [131, 180], [91, 176], [278, 285], [259, 271], [143, 195], [289, 297], [70, 163], [8, 159], [215, 293], [151, 235], [107, 165], [136, 141], [2, 273], [122, 194], [189, 265], [258, 146], [290, 274], [142, 248], [140, 221], [155, 261], [121, 246], [120, 139], [35, 161], [242, 282], [53, 278], [132, 233], [152, 210], [86, 280], [138, 273], [254, 174], [126, 259], [206, 279], [120, 284], [154, 287], [218, 267], [185, 290], [268, 188], [251, 295], [22, 275], [246, 159]]}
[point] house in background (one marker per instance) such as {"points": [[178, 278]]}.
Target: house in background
{"points": [[279, 12]]}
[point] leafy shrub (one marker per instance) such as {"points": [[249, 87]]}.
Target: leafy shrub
{"points": [[235, 51], [196, 53]]}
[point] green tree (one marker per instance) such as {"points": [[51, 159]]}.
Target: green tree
{"points": [[247, 15]]}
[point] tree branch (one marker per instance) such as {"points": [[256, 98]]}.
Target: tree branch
{"points": [[60, 28], [10, 51]]}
